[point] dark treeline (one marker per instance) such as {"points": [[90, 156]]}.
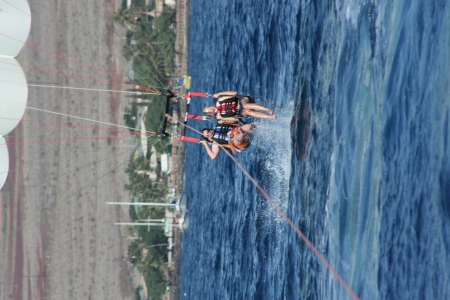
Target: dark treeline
{"points": [[150, 48]]}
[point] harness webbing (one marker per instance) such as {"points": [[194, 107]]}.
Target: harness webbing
{"points": [[228, 107]]}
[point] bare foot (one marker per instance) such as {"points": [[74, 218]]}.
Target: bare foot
{"points": [[270, 111], [273, 117]]}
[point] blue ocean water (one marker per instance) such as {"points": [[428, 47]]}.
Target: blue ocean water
{"points": [[359, 157]]}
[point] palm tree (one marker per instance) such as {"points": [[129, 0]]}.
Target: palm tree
{"points": [[138, 51], [124, 16]]}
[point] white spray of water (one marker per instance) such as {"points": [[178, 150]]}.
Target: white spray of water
{"points": [[273, 137]]}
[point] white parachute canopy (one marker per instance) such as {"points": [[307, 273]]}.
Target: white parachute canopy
{"points": [[4, 161], [15, 24], [14, 93]]}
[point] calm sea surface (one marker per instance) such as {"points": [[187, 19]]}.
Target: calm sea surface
{"points": [[359, 156]]}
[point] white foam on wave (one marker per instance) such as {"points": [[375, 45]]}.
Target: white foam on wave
{"points": [[332, 190], [349, 9], [273, 138]]}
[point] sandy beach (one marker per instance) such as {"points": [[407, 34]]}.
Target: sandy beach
{"points": [[58, 240], [67, 246]]}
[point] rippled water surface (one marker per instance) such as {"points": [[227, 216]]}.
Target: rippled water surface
{"points": [[358, 157]]}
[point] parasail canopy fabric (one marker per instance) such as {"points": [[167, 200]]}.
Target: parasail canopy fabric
{"points": [[15, 24], [4, 161], [14, 93]]}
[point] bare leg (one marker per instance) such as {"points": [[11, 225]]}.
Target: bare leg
{"points": [[243, 131], [247, 127], [256, 114], [255, 106]]}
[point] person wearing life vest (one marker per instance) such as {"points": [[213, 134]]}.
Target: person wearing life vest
{"points": [[231, 106], [230, 136]]}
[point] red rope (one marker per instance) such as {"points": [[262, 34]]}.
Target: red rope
{"points": [[67, 125], [82, 64], [293, 226], [67, 75], [72, 139], [298, 231]]}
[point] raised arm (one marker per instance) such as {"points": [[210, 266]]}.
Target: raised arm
{"points": [[213, 152], [226, 93]]}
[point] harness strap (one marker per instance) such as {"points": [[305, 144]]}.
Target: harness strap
{"points": [[228, 107]]}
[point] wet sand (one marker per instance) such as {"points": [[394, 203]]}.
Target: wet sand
{"points": [[68, 247]]}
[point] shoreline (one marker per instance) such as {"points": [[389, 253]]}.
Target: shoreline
{"points": [[38, 237], [86, 234], [181, 58]]}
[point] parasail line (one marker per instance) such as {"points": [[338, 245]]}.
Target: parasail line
{"points": [[298, 231], [62, 56], [53, 206], [98, 90], [310, 245], [91, 36], [85, 119], [67, 173], [69, 75], [118, 35], [65, 58], [79, 63], [41, 161], [17, 8], [67, 125], [78, 139]]}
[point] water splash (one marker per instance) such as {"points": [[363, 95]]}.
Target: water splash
{"points": [[273, 141]]}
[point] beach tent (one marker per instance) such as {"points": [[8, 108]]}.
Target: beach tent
{"points": [[15, 24]]}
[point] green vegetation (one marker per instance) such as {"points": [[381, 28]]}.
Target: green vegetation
{"points": [[150, 42], [141, 185], [137, 293], [152, 265], [130, 117], [156, 285], [150, 45]]}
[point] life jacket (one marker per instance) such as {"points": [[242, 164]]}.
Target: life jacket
{"points": [[223, 135], [228, 107]]}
